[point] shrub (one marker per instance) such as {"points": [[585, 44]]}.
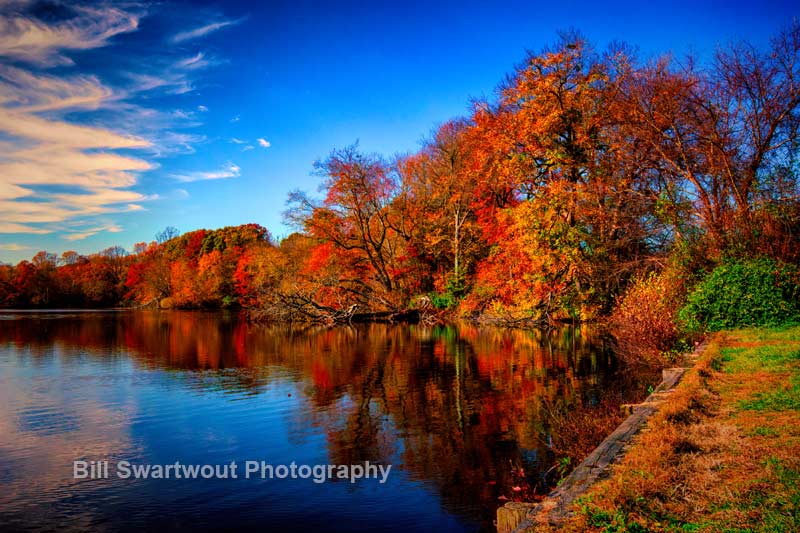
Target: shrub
{"points": [[442, 300], [644, 319], [453, 293], [738, 293]]}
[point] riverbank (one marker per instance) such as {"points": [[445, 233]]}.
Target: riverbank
{"points": [[723, 454]]}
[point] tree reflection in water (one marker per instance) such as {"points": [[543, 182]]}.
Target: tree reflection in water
{"points": [[477, 414]]}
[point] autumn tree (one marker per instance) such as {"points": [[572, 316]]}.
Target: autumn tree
{"points": [[725, 136], [439, 193], [356, 218], [587, 170], [572, 231]]}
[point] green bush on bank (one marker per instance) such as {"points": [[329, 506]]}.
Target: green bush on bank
{"points": [[738, 293]]}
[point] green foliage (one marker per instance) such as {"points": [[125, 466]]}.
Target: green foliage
{"points": [[443, 300], [616, 522], [782, 507], [762, 431], [563, 466], [229, 301], [738, 293], [451, 296]]}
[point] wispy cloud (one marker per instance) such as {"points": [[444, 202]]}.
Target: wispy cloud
{"points": [[230, 170], [61, 134], [197, 61], [14, 247], [27, 92], [245, 146], [13, 227], [263, 143], [90, 232], [50, 152], [59, 168], [235, 119], [27, 39], [202, 109], [171, 75], [203, 30]]}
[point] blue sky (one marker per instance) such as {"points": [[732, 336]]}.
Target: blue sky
{"points": [[119, 119]]}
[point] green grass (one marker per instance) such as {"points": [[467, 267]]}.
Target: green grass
{"points": [[784, 399], [781, 508], [762, 431]]}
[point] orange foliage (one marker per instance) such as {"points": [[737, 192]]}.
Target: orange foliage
{"points": [[544, 204]]}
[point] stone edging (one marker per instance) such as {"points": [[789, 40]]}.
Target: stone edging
{"points": [[521, 516]]}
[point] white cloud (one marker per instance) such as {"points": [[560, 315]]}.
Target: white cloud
{"points": [[79, 236], [53, 170], [196, 61], [234, 140], [263, 143], [174, 82], [230, 170], [61, 133], [14, 247], [50, 152], [235, 119], [58, 167], [24, 38], [171, 142], [203, 30], [13, 227], [248, 148], [170, 75], [26, 92]]}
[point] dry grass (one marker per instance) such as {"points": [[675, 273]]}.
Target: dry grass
{"points": [[722, 455]]}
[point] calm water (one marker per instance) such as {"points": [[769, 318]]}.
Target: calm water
{"points": [[456, 411]]}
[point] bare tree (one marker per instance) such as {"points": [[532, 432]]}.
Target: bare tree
{"points": [[170, 232]]}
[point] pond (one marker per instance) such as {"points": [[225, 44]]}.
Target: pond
{"points": [[466, 417]]}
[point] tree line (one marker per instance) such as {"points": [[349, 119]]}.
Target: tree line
{"points": [[585, 172]]}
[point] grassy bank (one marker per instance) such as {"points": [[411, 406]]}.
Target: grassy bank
{"points": [[722, 455]]}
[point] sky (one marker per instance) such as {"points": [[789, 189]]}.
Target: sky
{"points": [[119, 119]]}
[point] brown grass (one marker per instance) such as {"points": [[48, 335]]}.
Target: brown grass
{"points": [[705, 462]]}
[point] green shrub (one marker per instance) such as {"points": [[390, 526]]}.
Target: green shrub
{"points": [[442, 300], [738, 293], [453, 293]]}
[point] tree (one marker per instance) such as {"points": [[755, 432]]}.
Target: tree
{"points": [[576, 223], [356, 217], [168, 233], [69, 257], [439, 193], [725, 137]]}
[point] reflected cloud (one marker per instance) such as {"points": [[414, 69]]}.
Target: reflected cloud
{"points": [[44, 428]]}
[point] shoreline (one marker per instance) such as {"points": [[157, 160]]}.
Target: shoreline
{"points": [[555, 508], [721, 453]]}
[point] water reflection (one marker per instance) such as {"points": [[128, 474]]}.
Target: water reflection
{"points": [[459, 412]]}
